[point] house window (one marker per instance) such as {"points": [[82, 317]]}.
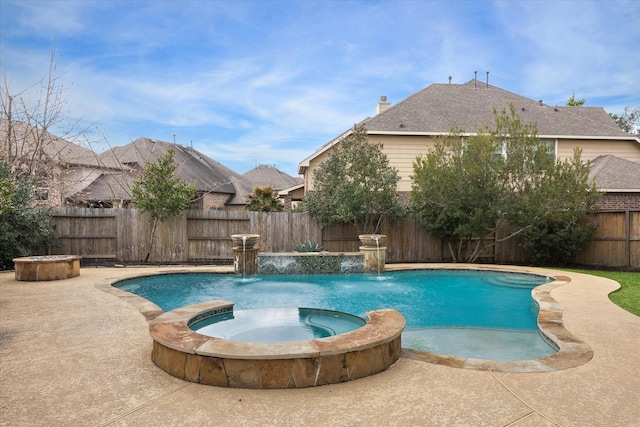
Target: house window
{"points": [[501, 147], [551, 146], [43, 194], [548, 144]]}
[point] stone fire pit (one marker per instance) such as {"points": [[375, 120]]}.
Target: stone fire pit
{"points": [[47, 267]]}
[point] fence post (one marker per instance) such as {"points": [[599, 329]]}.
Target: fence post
{"points": [[627, 237]]}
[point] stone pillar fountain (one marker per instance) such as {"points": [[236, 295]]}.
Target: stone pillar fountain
{"points": [[374, 249], [245, 253]]}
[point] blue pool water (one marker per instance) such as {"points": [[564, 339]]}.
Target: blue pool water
{"points": [[277, 324], [466, 304]]}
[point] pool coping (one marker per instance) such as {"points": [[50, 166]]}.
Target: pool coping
{"points": [[172, 330], [572, 351]]}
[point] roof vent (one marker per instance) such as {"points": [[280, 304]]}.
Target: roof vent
{"points": [[540, 102], [383, 105]]}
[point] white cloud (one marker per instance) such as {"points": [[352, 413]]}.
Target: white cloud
{"points": [[255, 82], [56, 18], [576, 47]]}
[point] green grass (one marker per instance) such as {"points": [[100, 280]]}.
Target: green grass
{"points": [[628, 296]]}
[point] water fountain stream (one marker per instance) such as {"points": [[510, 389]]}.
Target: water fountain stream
{"points": [[376, 238], [244, 256], [245, 252], [374, 248]]}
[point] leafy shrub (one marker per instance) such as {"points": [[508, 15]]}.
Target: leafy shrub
{"points": [[555, 242], [23, 228]]}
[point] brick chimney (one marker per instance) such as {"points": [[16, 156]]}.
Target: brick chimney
{"points": [[383, 105]]}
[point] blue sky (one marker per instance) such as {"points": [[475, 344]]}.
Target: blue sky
{"points": [[269, 82]]}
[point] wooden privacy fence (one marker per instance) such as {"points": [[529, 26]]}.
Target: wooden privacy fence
{"points": [[616, 242], [122, 235]]}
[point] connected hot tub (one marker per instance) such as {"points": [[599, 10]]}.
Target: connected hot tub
{"points": [[277, 324], [368, 347]]}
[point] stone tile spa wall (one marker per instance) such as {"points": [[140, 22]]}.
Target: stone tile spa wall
{"points": [[310, 263], [194, 357]]}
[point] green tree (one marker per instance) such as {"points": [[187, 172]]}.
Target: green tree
{"points": [[629, 120], [503, 180], [23, 228], [355, 185], [8, 188], [264, 199], [573, 102], [558, 233], [159, 192]]}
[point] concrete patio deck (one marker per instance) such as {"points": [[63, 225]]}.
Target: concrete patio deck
{"points": [[71, 354]]}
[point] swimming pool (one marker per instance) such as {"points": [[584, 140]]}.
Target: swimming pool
{"points": [[486, 315]]}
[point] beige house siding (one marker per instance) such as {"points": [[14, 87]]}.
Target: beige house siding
{"points": [[313, 165], [629, 150], [402, 151]]}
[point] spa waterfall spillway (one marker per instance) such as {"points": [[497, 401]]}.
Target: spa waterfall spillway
{"points": [[248, 261]]}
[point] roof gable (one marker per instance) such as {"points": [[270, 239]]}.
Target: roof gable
{"points": [[613, 173], [270, 175], [109, 186]]}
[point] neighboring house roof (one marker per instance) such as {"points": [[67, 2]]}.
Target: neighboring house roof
{"points": [[105, 186], [56, 149], [470, 106], [76, 180], [243, 189], [191, 166], [270, 175], [613, 174]]}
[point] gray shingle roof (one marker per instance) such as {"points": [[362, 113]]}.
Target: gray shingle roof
{"points": [[57, 149], [109, 186], [470, 106], [192, 166], [613, 173], [270, 175]]}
